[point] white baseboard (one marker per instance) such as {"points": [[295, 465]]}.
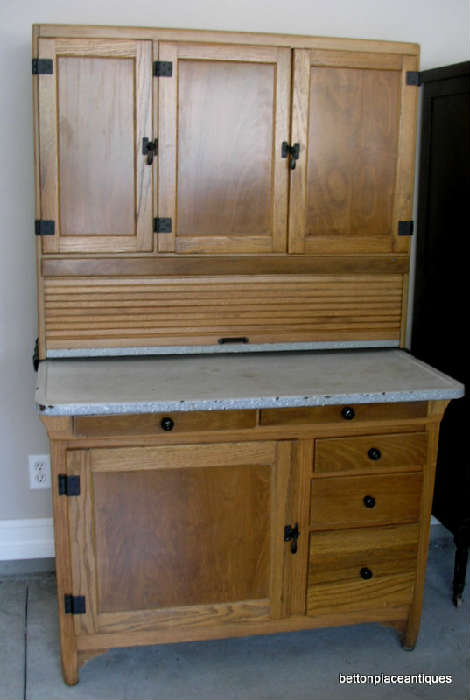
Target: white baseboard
{"points": [[26, 539]]}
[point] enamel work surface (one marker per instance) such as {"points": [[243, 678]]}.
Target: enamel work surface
{"points": [[143, 385]]}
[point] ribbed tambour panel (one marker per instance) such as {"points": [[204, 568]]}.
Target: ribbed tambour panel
{"points": [[127, 312]]}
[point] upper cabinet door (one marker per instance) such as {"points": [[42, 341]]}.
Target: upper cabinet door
{"points": [[223, 115], [354, 117], [94, 111]]}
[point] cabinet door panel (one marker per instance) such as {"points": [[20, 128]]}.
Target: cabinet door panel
{"points": [[190, 532], [223, 117], [353, 115], [94, 182], [185, 523]]}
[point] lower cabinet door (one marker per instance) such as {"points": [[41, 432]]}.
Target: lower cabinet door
{"points": [[179, 536]]}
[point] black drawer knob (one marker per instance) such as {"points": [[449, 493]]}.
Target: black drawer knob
{"points": [[366, 573], [348, 413], [369, 501], [374, 454], [167, 423]]}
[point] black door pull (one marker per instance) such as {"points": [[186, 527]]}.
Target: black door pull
{"points": [[291, 534], [290, 151], [149, 149]]}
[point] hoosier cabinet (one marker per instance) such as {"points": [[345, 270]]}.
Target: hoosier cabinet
{"points": [[223, 224]]}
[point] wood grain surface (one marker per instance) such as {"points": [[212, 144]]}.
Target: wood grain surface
{"points": [[402, 451], [169, 311], [339, 502], [336, 560], [223, 115], [96, 156], [174, 537]]}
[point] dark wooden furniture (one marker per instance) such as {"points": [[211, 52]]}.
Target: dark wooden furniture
{"points": [[440, 325]]}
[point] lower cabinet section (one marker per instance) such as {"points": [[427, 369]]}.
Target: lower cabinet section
{"points": [[244, 528]]}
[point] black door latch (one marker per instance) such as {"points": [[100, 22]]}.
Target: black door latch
{"points": [[149, 149], [292, 151], [291, 535]]}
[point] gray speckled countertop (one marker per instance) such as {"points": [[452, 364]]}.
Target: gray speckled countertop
{"points": [[189, 383]]}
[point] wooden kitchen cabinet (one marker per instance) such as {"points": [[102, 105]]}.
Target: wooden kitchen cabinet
{"points": [[200, 191]]}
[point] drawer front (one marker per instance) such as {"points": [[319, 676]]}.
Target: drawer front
{"points": [[370, 454], [361, 569], [362, 501], [164, 423], [343, 414]]}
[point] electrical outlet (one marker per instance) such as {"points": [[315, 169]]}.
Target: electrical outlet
{"points": [[39, 471]]}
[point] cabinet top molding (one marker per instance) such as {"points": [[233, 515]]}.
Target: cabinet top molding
{"points": [[79, 31]]}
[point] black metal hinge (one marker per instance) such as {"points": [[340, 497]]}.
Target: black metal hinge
{"points": [[69, 485], [405, 228], [44, 228], [162, 69], [413, 77], [162, 225], [74, 604], [42, 66]]}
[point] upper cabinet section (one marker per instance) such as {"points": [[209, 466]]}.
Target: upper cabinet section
{"points": [[94, 111], [176, 143], [223, 114], [353, 117]]}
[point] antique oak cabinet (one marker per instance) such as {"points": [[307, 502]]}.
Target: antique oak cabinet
{"points": [[202, 197]]}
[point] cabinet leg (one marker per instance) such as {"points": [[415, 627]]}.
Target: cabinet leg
{"points": [[69, 661], [410, 634]]}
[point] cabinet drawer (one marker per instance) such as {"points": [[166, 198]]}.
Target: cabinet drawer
{"points": [[359, 569], [344, 414], [162, 423], [404, 451], [358, 501]]}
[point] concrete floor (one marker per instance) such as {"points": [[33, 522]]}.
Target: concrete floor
{"points": [[293, 666]]}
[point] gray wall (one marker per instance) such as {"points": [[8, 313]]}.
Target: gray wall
{"points": [[441, 28]]}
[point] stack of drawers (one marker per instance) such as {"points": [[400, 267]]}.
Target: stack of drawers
{"points": [[365, 508]]}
